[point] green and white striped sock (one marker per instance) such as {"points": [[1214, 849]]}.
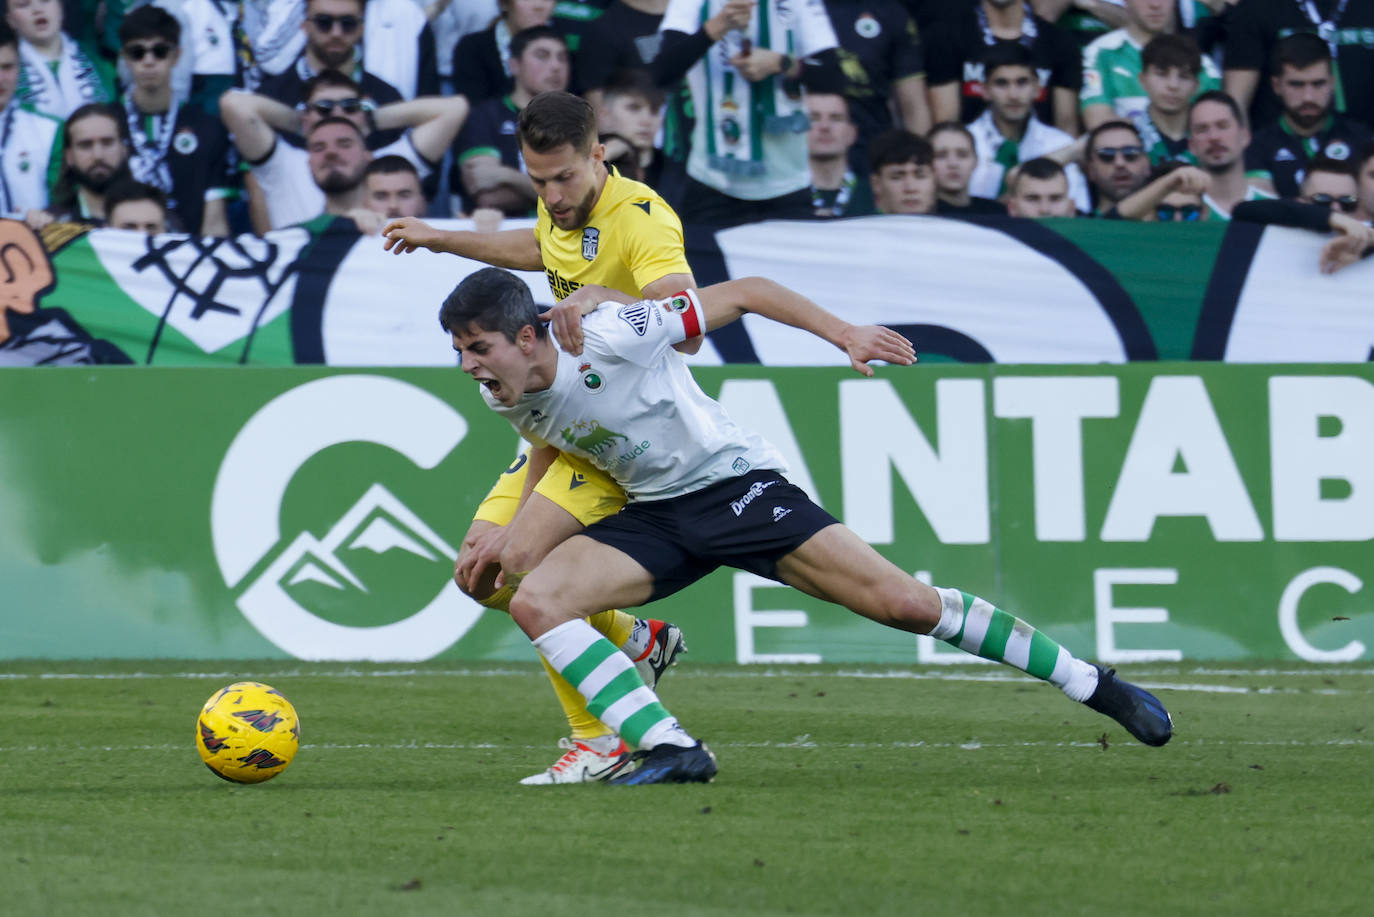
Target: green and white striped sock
{"points": [[606, 677], [975, 626]]}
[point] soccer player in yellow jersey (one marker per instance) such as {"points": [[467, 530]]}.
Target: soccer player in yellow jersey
{"points": [[594, 227]]}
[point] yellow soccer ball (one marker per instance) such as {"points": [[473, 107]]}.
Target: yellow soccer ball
{"points": [[247, 732]]}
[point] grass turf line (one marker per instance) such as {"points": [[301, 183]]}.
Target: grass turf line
{"points": [[837, 795]]}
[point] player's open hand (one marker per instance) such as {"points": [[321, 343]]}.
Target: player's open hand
{"points": [[864, 343], [408, 234], [477, 556]]}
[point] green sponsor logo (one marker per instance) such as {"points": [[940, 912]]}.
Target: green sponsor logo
{"points": [[590, 436]]}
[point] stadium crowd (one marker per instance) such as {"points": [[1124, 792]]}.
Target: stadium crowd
{"points": [[220, 117]]}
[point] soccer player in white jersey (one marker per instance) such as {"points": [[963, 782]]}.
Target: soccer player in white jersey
{"points": [[704, 493]]}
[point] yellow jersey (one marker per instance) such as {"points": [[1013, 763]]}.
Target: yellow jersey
{"points": [[631, 239]]}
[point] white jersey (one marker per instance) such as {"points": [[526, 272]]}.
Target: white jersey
{"points": [[630, 406]]}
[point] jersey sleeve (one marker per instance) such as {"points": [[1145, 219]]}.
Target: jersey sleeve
{"points": [[1246, 46], [908, 56], [655, 249], [642, 332], [1067, 70], [944, 54], [814, 31], [1094, 91], [681, 16]]}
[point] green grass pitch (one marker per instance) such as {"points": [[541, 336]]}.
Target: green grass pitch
{"points": [[962, 790]]}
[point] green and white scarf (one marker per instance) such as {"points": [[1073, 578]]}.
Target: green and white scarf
{"points": [[740, 114], [60, 87]]}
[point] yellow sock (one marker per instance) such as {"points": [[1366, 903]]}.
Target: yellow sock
{"points": [[615, 625]]}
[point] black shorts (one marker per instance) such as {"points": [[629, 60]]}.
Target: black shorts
{"points": [[749, 522]]}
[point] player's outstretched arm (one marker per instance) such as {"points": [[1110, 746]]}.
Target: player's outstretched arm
{"points": [[515, 249], [726, 302]]}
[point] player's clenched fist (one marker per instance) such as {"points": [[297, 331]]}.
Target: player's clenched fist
{"points": [[408, 234]]}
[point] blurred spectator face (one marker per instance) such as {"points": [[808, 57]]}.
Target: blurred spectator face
{"points": [[151, 61], [333, 29], [1366, 191], [1041, 197], [832, 132], [394, 194], [565, 181], [631, 116], [1169, 88], [955, 160], [1154, 16], [140, 216], [1117, 164], [1011, 91], [333, 102], [541, 67], [1180, 207], [96, 154], [337, 157], [1331, 189], [1215, 137], [904, 187], [9, 73], [37, 21], [1306, 93], [526, 14]]}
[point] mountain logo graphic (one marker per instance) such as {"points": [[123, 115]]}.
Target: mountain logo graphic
{"points": [[378, 584]]}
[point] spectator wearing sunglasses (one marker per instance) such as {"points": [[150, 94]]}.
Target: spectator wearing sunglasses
{"points": [[176, 148], [1331, 183], [1217, 138], [56, 76], [1309, 125], [333, 35], [1009, 133], [282, 193], [1117, 164], [1173, 194]]}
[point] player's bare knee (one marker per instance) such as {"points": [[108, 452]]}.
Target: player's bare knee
{"points": [[913, 609], [533, 607], [525, 611]]}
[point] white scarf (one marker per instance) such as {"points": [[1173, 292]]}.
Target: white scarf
{"points": [[75, 83], [148, 158]]}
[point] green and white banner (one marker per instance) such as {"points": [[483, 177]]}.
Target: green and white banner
{"points": [[1133, 511], [998, 290]]}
